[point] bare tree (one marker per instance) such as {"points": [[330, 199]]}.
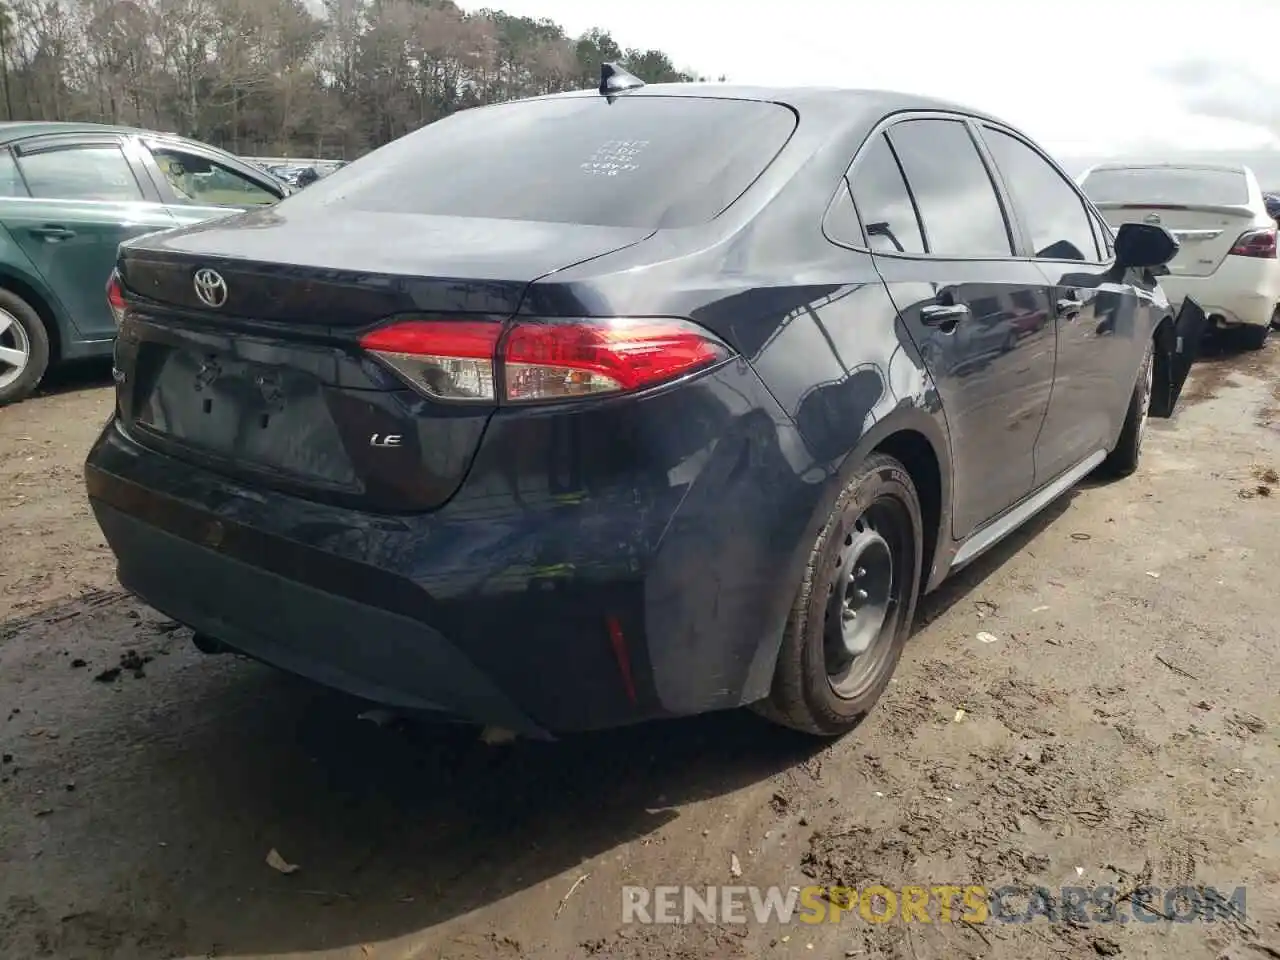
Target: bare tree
{"points": [[280, 76]]}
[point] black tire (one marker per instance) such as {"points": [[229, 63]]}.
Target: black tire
{"points": [[1253, 337], [1123, 459], [21, 328], [882, 499]]}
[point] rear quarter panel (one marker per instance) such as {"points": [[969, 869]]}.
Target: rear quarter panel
{"points": [[814, 322]]}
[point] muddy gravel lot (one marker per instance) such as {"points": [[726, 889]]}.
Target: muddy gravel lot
{"points": [[1116, 724]]}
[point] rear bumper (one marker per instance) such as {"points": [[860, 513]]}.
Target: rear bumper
{"points": [[1241, 291], [332, 639], [663, 594]]}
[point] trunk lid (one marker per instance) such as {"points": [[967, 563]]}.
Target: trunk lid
{"points": [[316, 270], [271, 385], [1206, 232]]}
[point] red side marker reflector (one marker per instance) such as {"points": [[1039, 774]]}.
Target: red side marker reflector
{"points": [[622, 655]]}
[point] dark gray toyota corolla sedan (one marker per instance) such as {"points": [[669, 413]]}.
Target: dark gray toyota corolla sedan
{"points": [[620, 404]]}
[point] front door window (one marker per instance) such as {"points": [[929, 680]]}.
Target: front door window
{"points": [[205, 183]]}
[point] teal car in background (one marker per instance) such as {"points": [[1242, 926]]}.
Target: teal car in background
{"points": [[70, 193]]}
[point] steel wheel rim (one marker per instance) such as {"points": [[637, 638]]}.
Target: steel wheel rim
{"points": [[861, 605], [15, 349]]}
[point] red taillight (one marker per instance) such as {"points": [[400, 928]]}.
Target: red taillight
{"points": [[115, 297], [445, 359], [541, 360], [1256, 243], [556, 359]]}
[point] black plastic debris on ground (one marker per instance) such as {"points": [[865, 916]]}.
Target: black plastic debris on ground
{"points": [[130, 660]]}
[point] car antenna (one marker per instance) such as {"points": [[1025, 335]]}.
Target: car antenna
{"points": [[614, 79]]}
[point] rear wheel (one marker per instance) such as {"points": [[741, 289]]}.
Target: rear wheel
{"points": [[24, 348], [1254, 337], [1123, 460], [853, 612]]}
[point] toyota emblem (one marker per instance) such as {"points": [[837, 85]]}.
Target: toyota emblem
{"points": [[210, 287]]}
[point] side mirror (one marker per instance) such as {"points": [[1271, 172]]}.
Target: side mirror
{"points": [[1144, 245]]}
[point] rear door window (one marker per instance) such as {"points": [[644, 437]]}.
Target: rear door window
{"points": [[958, 205], [97, 172], [889, 217], [1167, 185], [1052, 211], [638, 161], [841, 222]]}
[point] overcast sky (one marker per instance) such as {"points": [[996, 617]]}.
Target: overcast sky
{"points": [[1085, 77]]}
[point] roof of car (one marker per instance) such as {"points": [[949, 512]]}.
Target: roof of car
{"points": [[21, 129], [833, 98], [15, 130]]}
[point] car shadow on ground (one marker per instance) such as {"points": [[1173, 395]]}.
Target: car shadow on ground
{"points": [[73, 376], [199, 766], [1219, 346]]}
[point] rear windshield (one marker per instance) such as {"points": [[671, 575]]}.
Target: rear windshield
{"points": [[649, 162], [1167, 185]]}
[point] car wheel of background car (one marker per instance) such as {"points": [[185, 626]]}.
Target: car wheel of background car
{"points": [[852, 614], [1254, 337], [24, 348], [1123, 460]]}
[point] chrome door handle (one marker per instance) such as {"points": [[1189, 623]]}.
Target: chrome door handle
{"points": [[940, 314]]}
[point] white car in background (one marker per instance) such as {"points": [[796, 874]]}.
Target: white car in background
{"points": [[1228, 261]]}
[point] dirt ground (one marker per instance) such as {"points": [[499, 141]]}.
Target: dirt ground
{"points": [[1120, 727]]}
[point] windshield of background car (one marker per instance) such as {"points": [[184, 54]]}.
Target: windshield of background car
{"points": [[648, 162], [1185, 185]]}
